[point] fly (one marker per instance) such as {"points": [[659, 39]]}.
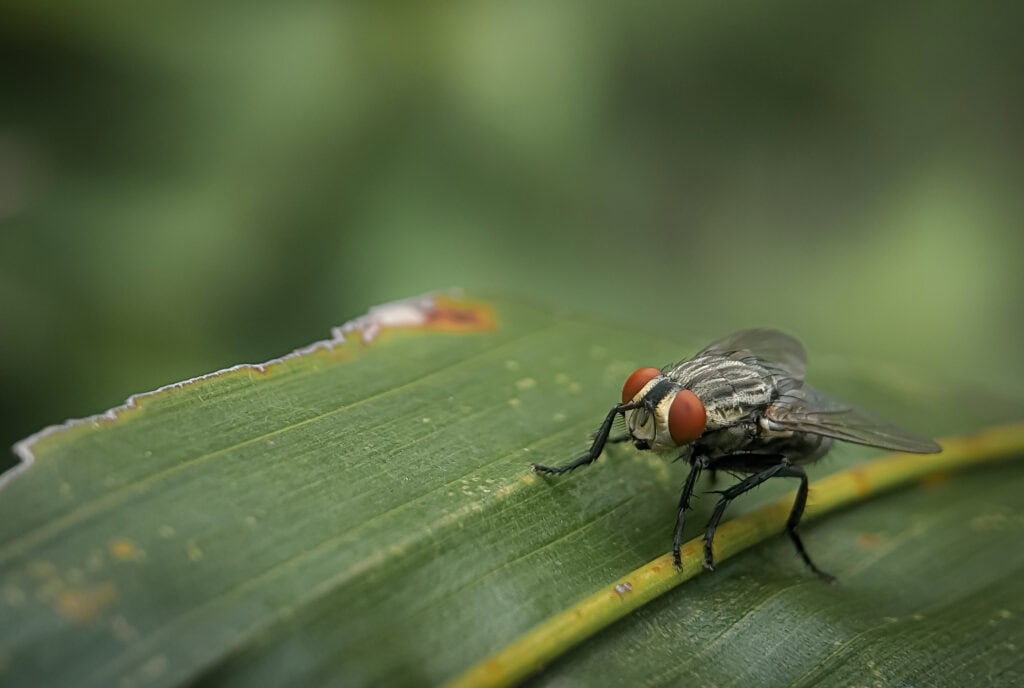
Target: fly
{"points": [[741, 406]]}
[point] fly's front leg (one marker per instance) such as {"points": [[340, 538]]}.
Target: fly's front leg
{"points": [[595, 449], [697, 464], [620, 439]]}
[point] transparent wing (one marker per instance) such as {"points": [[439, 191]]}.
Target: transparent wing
{"points": [[807, 410], [771, 347]]}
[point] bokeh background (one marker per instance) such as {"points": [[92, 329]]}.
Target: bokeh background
{"points": [[187, 187]]}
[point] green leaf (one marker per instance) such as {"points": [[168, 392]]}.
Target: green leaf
{"points": [[648, 582], [362, 513]]}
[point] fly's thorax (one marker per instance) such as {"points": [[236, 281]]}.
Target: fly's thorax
{"points": [[732, 391]]}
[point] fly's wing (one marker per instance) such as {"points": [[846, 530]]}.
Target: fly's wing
{"points": [[771, 348], [807, 410]]}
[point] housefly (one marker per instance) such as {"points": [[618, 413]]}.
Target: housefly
{"points": [[741, 406]]}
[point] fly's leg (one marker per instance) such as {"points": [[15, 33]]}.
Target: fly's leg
{"points": [[621, 439], [794, 520], [698, 464], [783, 469], [595, 449], [732, 493]]}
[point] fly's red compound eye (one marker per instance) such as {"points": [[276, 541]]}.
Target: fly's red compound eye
{"points": [[636, 382], [686, 418]]}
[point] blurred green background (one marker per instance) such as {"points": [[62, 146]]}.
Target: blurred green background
{"points": [[187, 187]]}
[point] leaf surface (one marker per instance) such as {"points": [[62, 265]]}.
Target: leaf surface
{"points": [[362, 513]]}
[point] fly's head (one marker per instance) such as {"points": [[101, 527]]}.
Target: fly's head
{"points": [[667, 417]]}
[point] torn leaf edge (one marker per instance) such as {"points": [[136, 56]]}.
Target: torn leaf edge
{"points": [[403, 313]]}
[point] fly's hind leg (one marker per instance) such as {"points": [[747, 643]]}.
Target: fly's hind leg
{"points": [[794, 520], [738, 462], [782, 469]]}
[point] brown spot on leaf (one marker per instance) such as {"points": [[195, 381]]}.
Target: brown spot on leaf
{"points": [[494, 669], [869, 541], [448, 315], [937, 479], [861, 482], [85, 605], [440, 314], [125, 550]]}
